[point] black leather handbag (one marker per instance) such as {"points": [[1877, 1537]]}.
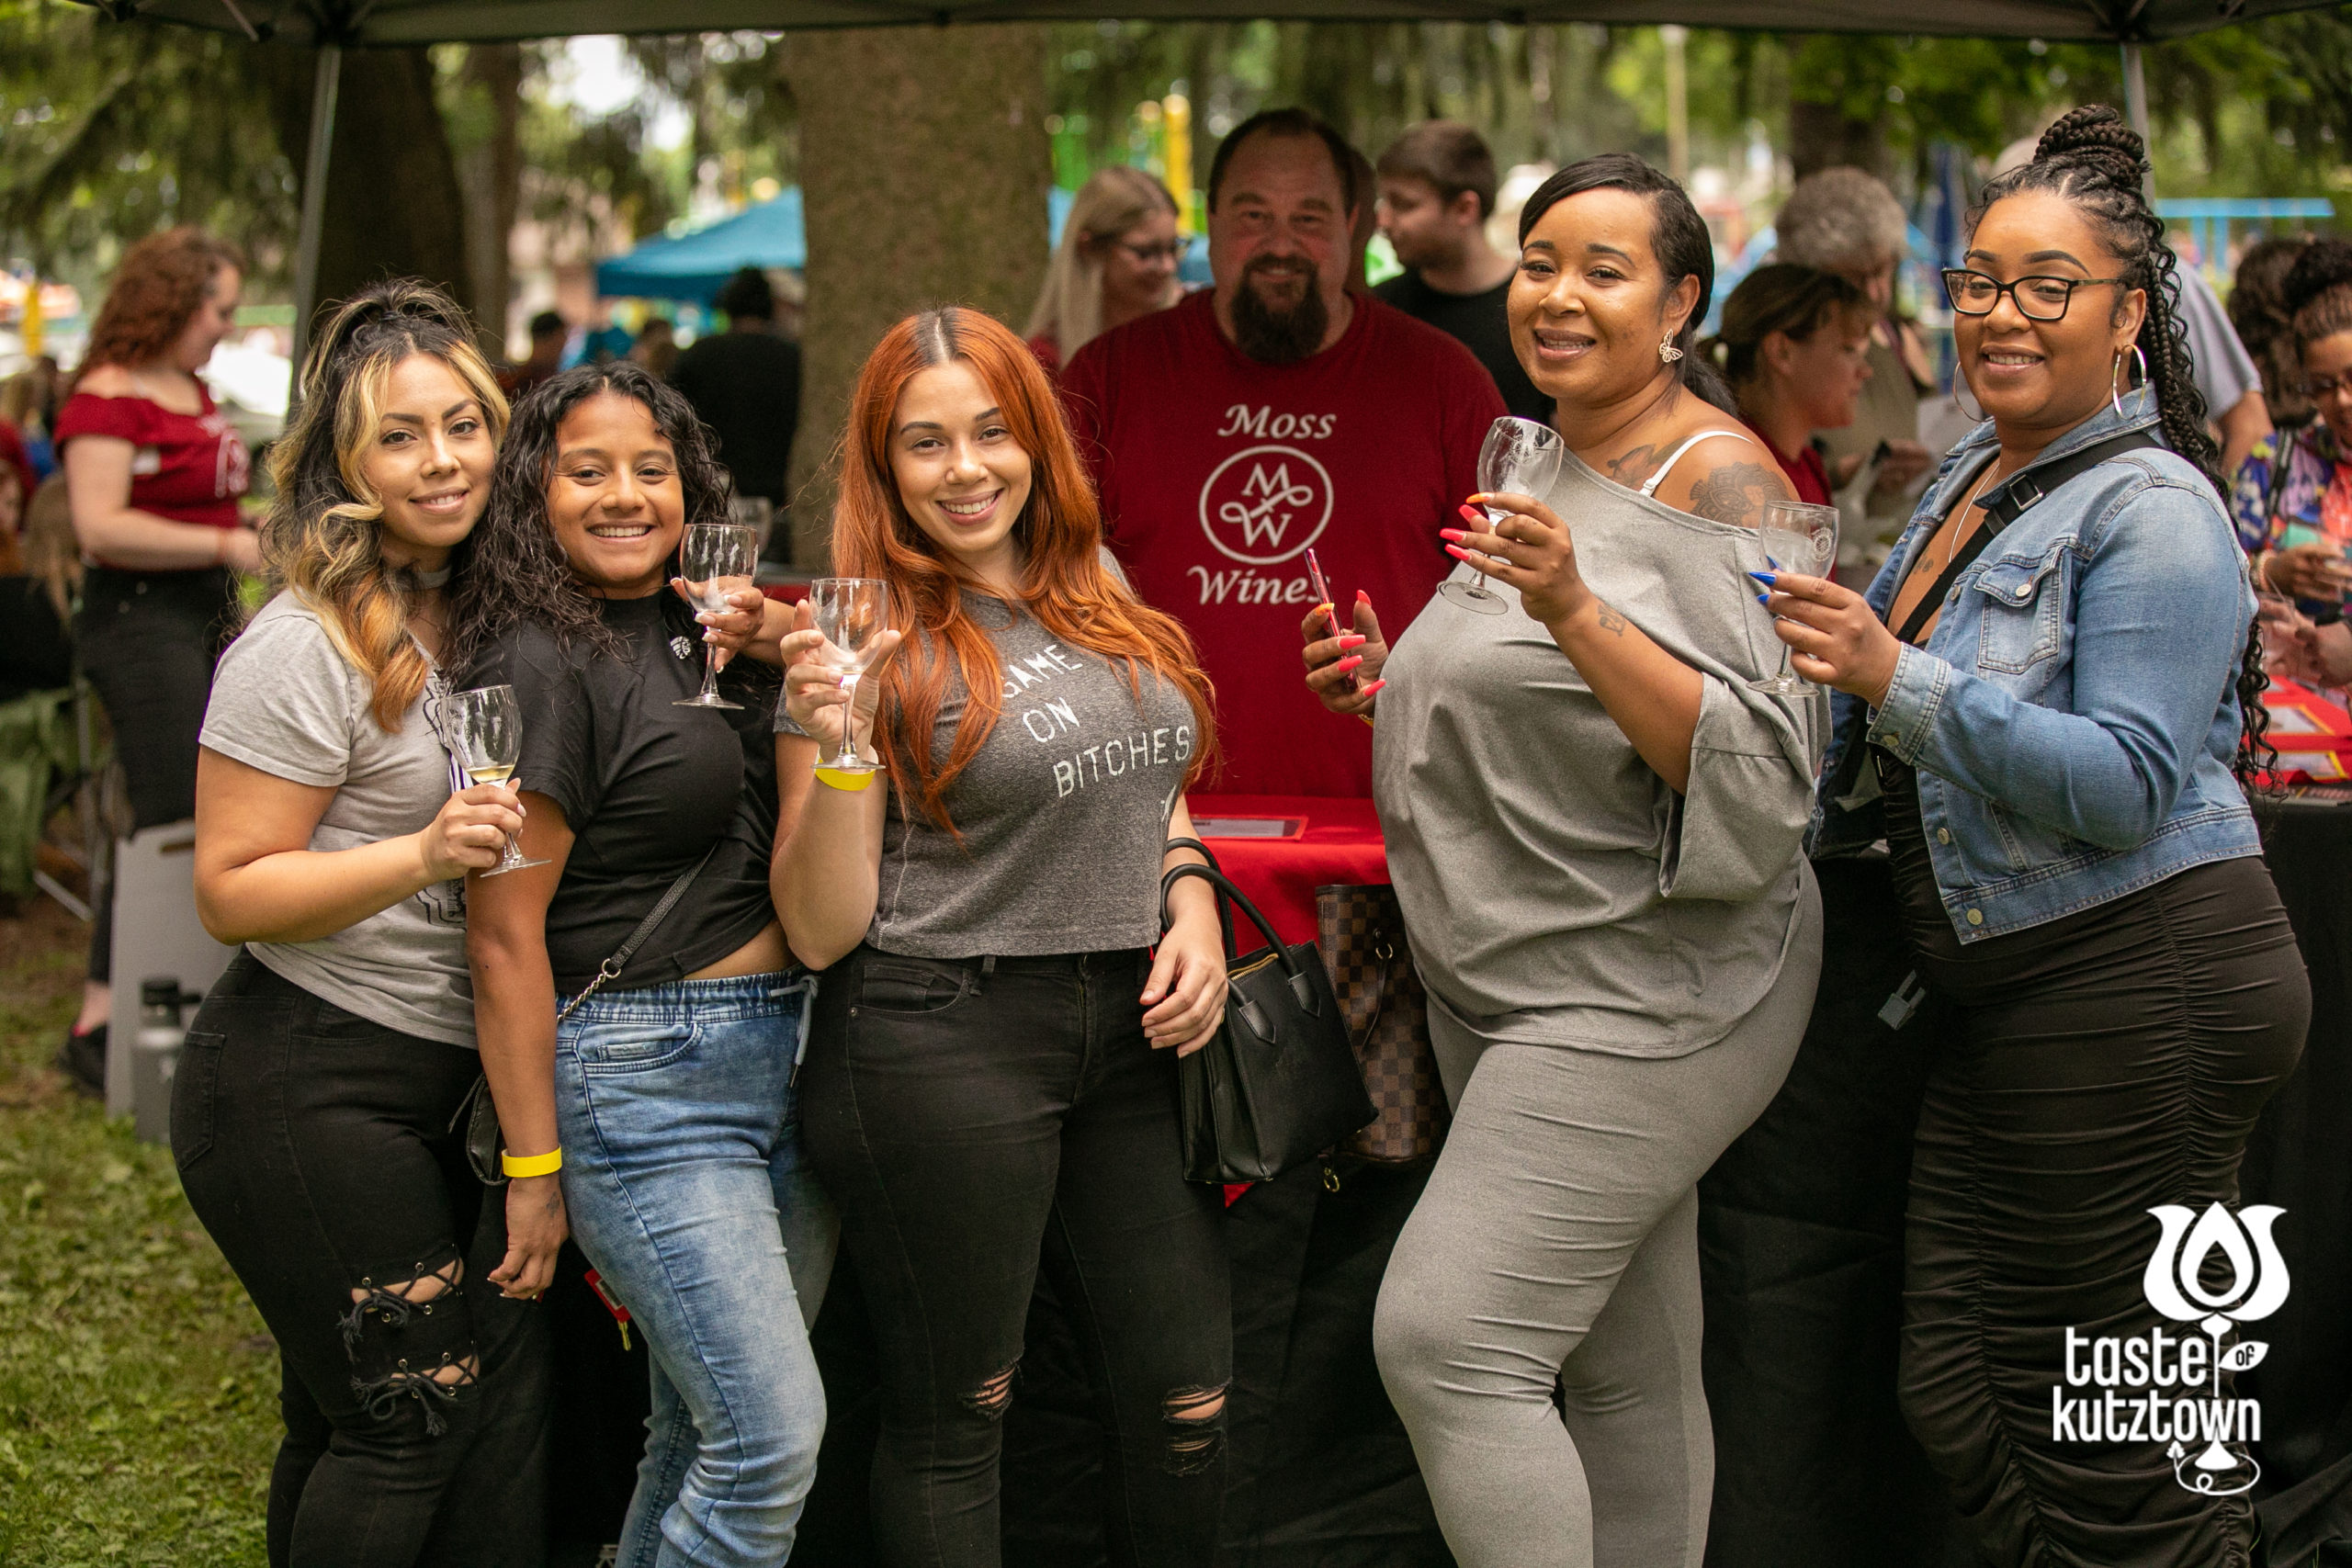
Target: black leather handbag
{"points": [[1277, 1084]]}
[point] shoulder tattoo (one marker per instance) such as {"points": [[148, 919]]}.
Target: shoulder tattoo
{"points": [[1735, 493], [1635, 466]]}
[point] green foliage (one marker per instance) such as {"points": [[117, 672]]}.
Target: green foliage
{"points": [[108, 132], [138, 1392]]}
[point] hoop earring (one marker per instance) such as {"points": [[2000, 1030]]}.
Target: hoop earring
{"points": [[2117, 397], [1958, 381], [1667, 353]]}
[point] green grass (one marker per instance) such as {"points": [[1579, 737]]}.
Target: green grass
{"points": [[137, 1388]]}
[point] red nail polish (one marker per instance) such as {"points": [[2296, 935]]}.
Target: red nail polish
{"points": [[1453, 535], [1370, 689], [1347, 664], [1471, 513], [1352, 640], [1361, 597], [1457, 552]]}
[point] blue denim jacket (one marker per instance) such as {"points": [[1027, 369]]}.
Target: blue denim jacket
{"points": [[2074, 714]]}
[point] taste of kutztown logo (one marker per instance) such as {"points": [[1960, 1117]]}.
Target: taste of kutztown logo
{"points": [[2163, 1388], [1266, 505]]}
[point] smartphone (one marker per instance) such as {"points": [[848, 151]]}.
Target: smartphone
{"points": [[1322, 590]]}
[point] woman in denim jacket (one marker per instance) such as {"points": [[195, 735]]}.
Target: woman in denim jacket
{"points": [[2055, 745]]}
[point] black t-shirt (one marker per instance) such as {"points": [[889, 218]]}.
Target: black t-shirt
{"points": [[746, 387], [646, 788], [1477, 321]]}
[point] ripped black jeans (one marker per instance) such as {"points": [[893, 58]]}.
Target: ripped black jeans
{"points": [[967, 1115], [315, 1146]]}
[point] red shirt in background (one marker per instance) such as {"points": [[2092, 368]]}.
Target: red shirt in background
{"points": [[1048, 352], [187, 467], [1805, 470], [1217, 472]]}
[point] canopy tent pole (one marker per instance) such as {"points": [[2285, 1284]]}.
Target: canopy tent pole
{"points": [[323, 89], [2135, 109]]}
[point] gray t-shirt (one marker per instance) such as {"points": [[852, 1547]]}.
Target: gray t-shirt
{"points": [[1063, 812], [1556, 891], [284, 701]]}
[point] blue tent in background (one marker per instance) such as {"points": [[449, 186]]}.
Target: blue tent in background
{"points": [[770, 233]]}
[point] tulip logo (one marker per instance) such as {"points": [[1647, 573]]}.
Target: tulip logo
{"points": [[2215, 1270], [2257, 1287]]}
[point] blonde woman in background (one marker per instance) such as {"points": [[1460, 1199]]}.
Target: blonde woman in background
{"points": [[1116, 261]]}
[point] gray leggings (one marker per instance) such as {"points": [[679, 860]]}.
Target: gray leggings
{"points": [[1557, 1245]]}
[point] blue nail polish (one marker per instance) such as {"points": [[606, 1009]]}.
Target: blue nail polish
{"points": [[1766, 578], [1763, 598], [1771, 562]]}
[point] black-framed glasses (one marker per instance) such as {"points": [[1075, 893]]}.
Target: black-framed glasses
{"points": [[2318, 387], [2036, 298]]}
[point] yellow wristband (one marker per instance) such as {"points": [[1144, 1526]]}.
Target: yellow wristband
{"points": [[838, 779], [531, 1165], [1367, 719]]}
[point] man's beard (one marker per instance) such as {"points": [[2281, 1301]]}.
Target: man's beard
{"points": [[1273, 336]]}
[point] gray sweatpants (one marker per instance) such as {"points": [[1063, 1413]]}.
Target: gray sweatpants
{"points": [[1558, 1243]]}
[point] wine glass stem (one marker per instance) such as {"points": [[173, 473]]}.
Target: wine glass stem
{"points": [[709, 671], [511, 858], [848, 759]]}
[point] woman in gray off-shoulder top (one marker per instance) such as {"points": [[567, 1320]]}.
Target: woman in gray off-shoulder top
{"points": [[1593, 823]]}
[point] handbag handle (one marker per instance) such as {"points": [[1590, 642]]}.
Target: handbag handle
{"points": [[1222, 890]]}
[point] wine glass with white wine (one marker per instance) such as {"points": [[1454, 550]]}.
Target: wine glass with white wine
{"points": [[716, 559], [852, 614], [1800, 537], [486, 727]]}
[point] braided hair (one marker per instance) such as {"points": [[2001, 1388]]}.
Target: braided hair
{"points": [[2095, 161]]}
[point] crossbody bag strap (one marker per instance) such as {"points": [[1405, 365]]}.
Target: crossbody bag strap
{"points": [[2019, 495], [610, 969]]}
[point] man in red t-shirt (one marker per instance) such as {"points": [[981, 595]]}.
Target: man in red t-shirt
{"points": [[1273, 412]]}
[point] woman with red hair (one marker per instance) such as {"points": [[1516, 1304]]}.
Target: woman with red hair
{"points": [[992, 1054], [155, 473]]}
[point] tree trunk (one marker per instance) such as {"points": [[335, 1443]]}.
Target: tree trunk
{"points": [[392, 206], [923, 167], [491, 177]]}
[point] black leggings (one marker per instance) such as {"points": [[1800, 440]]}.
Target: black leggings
{"points": [[963, 1114], [2115, 1065], [149, 640], [315, 1146]]}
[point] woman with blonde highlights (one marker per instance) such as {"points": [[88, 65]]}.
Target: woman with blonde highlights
{"points": [[1116, 261], [319, 1114], [986, 1074]]}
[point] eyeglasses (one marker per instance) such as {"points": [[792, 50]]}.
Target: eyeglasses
{"points": [[2036, 298], [2318, 387], [1166, 250]]}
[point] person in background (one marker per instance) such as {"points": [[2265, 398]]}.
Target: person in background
{"points": [[1437, 189], [18, 460], [35, 654], [1273, 412], [656, 347], [549, 333], [1116, 261], [155, 473], [744, 383], [1593, 820], [28, 408], [2292, 496], [664, 1094], [318, 1116], [1846, 222], [1795, 347], [599, 345], [2053, 731], [2258, 313], [991, 1086]]}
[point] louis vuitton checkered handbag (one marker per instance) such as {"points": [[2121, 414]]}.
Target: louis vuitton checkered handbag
{"points": [[1362, 932]]}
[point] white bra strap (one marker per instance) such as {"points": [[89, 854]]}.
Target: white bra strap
{"points": [[1649, 486]]}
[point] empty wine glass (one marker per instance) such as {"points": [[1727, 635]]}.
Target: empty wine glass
{"points": [[852, 614], [716, 559], [1799, 536], [1520, 457], [486, 727]]}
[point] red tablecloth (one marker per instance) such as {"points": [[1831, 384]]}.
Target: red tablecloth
{"points": [[1340, 842]]}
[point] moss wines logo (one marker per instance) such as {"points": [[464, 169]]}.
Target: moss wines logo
{"points": [[2168, 1388]]}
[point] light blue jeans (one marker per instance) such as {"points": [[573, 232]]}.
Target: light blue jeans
{"points": [[682, 1174]]}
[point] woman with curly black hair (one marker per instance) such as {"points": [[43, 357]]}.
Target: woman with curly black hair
{"points": [[2043, 709], [641, 969]]}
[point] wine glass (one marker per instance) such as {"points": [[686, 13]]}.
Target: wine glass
{"points": [[486, 726], [1521, 458], [852, 614], [716, 559], [1796, 535]]}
